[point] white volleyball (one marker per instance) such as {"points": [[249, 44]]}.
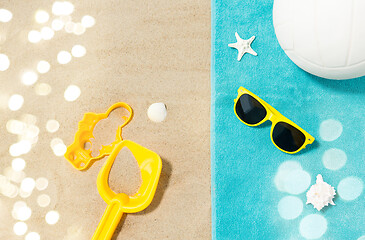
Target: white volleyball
{"points": [[324, 37]]}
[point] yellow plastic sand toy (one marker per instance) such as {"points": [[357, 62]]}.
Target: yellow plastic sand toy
{"points": [[149, 163], [76, 153]]}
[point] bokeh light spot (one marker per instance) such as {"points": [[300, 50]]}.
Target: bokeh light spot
{"points": [[62, 8], [64, 57], [78, 29], [297, 182], [43, 200], [290, 207], [334, 159], [17, 205], [4, 62], [19, 148], [57, 24], [72, 93], [313, 226], [24, 194], [52, 125], [18, 164], [58, 147], [29, 78], [284, 169], [32, 236], [13, 175], [78, 51], [34, 36], [88, 21], [47, 33], [23, 213], [350, 188], [69, 27], [43, 89], [20, 228], [6, 187], [15, 102], [41, 16], [5, 15], [41, 183], [43, 66], [15, 126], [52, 217], [27, 184], [330, 130], [65, 18]]}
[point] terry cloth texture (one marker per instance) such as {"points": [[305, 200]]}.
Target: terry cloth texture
{"points": [[247, 185]]}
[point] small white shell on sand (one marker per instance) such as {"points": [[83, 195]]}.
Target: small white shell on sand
{"points": [[157, 112], [321, 194]]}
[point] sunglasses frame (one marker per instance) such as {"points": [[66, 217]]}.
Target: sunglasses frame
{"points": [[274, 116]]}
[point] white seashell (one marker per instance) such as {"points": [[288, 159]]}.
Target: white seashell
{"points": [[321, 194], [157, 112]]}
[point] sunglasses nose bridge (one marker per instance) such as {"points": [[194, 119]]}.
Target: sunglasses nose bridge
{"points": [[271, 117]]}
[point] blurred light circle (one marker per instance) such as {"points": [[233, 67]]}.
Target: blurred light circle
{"points": [[52, 125], [24, 213], [350, 188], [4, 62], [59, 149], [15, 126], [69, 27], [41, 16], [15, 102], [28, 184], [41, 183], [19, 148], [57, 24], [20, 228], [55, 141], [65, 18], [52, 217], [43, 200], [62, 8], [34, 36], [87, 21], [313, 226], [18, 164], [78, 29], [72, 93], [43, 89], [5, 15], [43, 66], [32, 236], [47, 33], [29, 78], [78, 51], [64, 57]]}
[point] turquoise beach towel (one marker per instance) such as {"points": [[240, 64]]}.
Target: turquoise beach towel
{"points": [[259, 192]]}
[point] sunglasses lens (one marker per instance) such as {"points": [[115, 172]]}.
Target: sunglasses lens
{"points": [[287, 137], [249, 109]]}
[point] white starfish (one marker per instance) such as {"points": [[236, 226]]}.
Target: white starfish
{"points": [[243, 46]]}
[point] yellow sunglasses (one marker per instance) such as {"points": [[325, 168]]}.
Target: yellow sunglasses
{"points": [[285, 135]]}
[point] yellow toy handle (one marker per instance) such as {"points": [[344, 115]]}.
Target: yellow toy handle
{"points": [[109, 222], [150, 165]]}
